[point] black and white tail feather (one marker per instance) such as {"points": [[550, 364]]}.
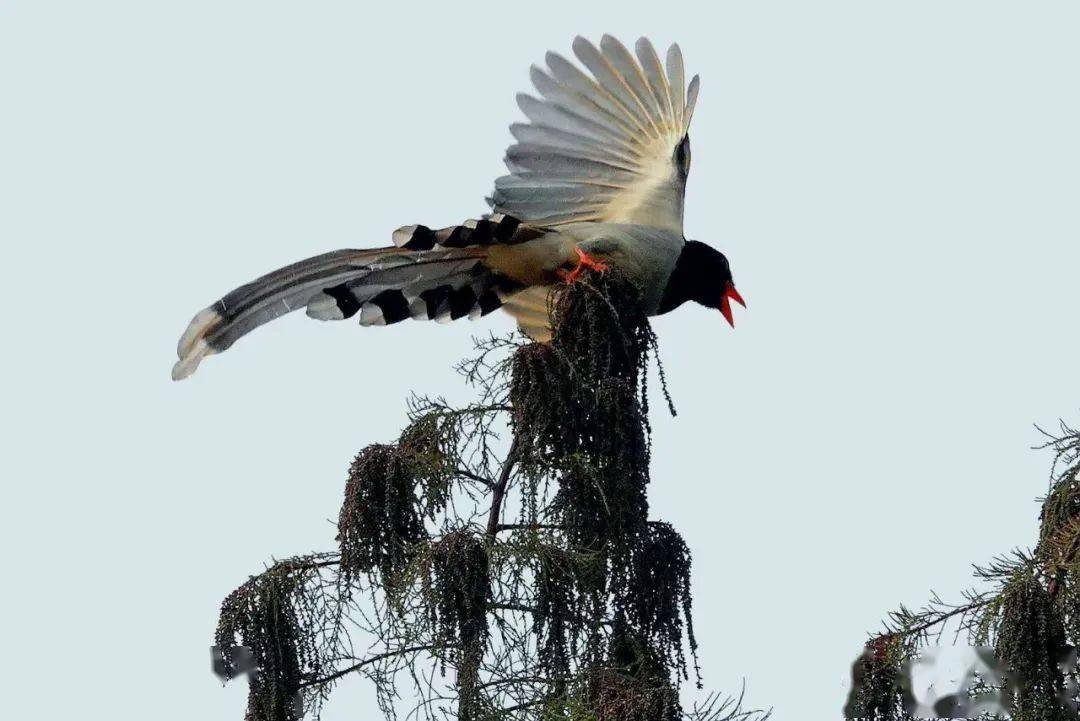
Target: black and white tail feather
{"points": [[427, 275], [604, 151]]}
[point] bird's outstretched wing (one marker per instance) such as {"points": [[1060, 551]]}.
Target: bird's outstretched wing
{"points": [[612, 147]]}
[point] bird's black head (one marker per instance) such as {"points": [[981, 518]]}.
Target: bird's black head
{"points": [[702, 274]]}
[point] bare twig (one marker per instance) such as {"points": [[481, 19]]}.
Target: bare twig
{"points": [[366, 662]]}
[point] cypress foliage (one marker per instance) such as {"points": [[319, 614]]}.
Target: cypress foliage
{"points": [[579, 607], [877, 688], [460, 573], [379, 521], [1029, 612], [265, 630], [1031, 642]]}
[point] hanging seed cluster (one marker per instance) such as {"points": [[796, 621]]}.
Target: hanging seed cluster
{"points": [[1059, 536], [876, 692], [379, 522], [429, 447], [1040, 609], [571, 601], [608, 591], [633, 685], [1037, 612], [1060, 510], [263, 617], [1031, 642], [580, 409], [655, 598], [461, 584], [556, 619], [1031, 616], [460, 570], [580, 414]]}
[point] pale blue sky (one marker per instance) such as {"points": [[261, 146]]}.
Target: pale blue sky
{"points": [[895, 185]]}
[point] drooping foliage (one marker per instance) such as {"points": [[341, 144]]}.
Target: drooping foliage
{"points": [[581, 412], [581, 417], [1058, 550], [428, 448], [576, 607], [1029, 613], [633, 685], [267, 630], [558, 619], [379, 522], [876, 684], [662, 616], [1031, 642], [460, 578]]}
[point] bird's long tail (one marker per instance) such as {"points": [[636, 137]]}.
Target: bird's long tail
{"points": [[428, 275]]}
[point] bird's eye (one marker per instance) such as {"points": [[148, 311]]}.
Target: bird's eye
{"points": [[682, 156]]}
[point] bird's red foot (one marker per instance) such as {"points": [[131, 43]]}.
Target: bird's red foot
{"points": [[584, 261]]}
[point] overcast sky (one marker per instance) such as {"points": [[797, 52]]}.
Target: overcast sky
{"points": [[895, 184]]}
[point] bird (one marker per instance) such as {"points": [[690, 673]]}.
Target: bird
{"points": [[596, 181]]}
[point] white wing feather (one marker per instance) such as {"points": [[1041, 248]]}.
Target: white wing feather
{"points": [[610, 147]]}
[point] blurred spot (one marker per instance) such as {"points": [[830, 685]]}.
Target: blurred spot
{"points": [[229, 663]]}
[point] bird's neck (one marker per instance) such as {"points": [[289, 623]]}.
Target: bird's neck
{"points": [[695, 277]]}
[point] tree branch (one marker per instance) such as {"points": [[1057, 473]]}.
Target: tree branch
{"points": [[366, 662], [512, 607], [515, 679], [499, 491], [525, 705], [942, 618], [466, 473], [529, 527]]}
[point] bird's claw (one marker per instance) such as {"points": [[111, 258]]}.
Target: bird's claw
{"points": [[584, 261]]}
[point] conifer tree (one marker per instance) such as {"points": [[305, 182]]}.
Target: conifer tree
{"points": [[498, 561], [1027, 609]]}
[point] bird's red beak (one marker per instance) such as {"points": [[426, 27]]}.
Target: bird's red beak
{"points": [[730, 294]]}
